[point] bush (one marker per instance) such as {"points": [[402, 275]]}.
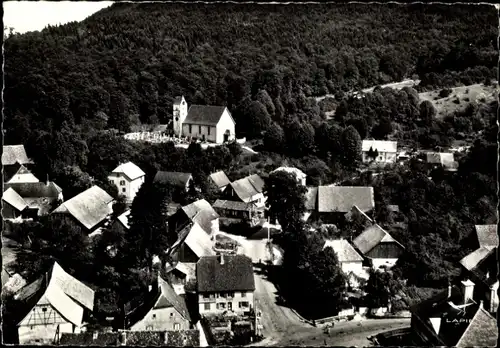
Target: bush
{"points": [[445, 92]]}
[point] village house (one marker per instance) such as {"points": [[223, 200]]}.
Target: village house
{"points": [[22, 175], [65, 306], [200, 212], [179, 180], [179, 274], [128, 179], [14, 206], [248, 190], [298, 174], [13, 157], [232, 212], [378, 245], [481, 266], [351, 262], [89, 209], [160, 338], [40, 197], [206, 123], [169, 312], [220, 180], [192, 244], [225, 283], [453, 319], [446, 160], [330, 203], [380, 151]]}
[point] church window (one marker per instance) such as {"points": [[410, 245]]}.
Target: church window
{"points": [[199, 129], [190, 130]]}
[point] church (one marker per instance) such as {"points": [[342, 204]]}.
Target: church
{"points": [[203, 122]]}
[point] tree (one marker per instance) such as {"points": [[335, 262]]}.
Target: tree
{"points": [[351, 146], [120, 205], [427, 112], [257, 119], [73, 181], [382, 129], [274, 138], [381, 287], [373, 154], [286, 198], [299, 138]]}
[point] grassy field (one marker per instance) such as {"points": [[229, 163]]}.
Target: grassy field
{"points": [[459, 98]]}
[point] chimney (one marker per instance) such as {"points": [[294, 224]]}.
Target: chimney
{"points": [[467, 290], [481, 304], [221, 258]]}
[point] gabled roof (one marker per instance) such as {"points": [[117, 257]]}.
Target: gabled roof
{"points": [[23, 175], [487, 235], [169, 298], [14, 199], [355, 211], [220, 179], [123, 218], [172, 178], [199, 241], [178, 99], [481, 332], [248, 187], [299, 174], [380, 145], [235, 274], [446, 159], [13, 154], [472, 260], [342, 198], [72, 287], [232, 205], [202, 213], [89, 207], [345, 252], [68, 308], [205, 115], [35, 189], [371, 237], [130, 170]]}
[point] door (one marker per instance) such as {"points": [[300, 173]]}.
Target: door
{"points": [[226, 135]]}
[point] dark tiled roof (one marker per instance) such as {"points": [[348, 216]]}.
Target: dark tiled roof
{"points": [[14, 154], [248, 187], [371, 237], [487, 235], [35, 189], [220, 179], [169, 298], [481, 332], [342, 198], [235, 274], [232, 205], [173, 178], [204, 115]]}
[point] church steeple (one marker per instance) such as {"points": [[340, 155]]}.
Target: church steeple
{"points": [[179, 114]]}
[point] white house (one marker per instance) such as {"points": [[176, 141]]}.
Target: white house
{"points": [[127, 178], [297, 173], [247, 190], [385, 151], [351, 262], [63, 307], [207, 123]]}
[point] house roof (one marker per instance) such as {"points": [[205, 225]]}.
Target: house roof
{"points": [[13, 154], [23, 175], [178, 99], [220, 179], [342, 198], [14, 199], [232, 205], [123, 218], [30, 290], [199, 242], [35, 189], [13, 284], [89, 207], [355, 211], [5, 277], [169, 298], [457, 323], [202, 213], [311, 198], [248, 187], [371, 237], [487, 235], [393, 208], [173, 178], [345, 252], [235, 274], [130, 170], [204, 115], [68, 308], [72, 287], [472, 260], [446, 159], [380, 145], [299, 174]]}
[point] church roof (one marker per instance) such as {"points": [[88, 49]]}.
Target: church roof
{"points": [[205, 115]]}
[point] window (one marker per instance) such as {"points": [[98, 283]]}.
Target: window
{"points": [[111, 182], [243, 294], [123, 189], [230, 294], [122, 182], [154, 316], [171, 314], [209, 130], [207, 306], [206, 296], [44, 309], [190, 130], [230, 306], [199, 129], [149, 328], [221, 305], [177, 326], [243, 304]]}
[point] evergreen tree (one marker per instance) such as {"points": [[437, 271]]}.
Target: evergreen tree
{"points": [[351, 147]]}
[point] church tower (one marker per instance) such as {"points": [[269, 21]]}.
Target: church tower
{"points": [[179, 114]]}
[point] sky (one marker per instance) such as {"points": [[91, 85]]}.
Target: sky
{"points": [[26, 16]]}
